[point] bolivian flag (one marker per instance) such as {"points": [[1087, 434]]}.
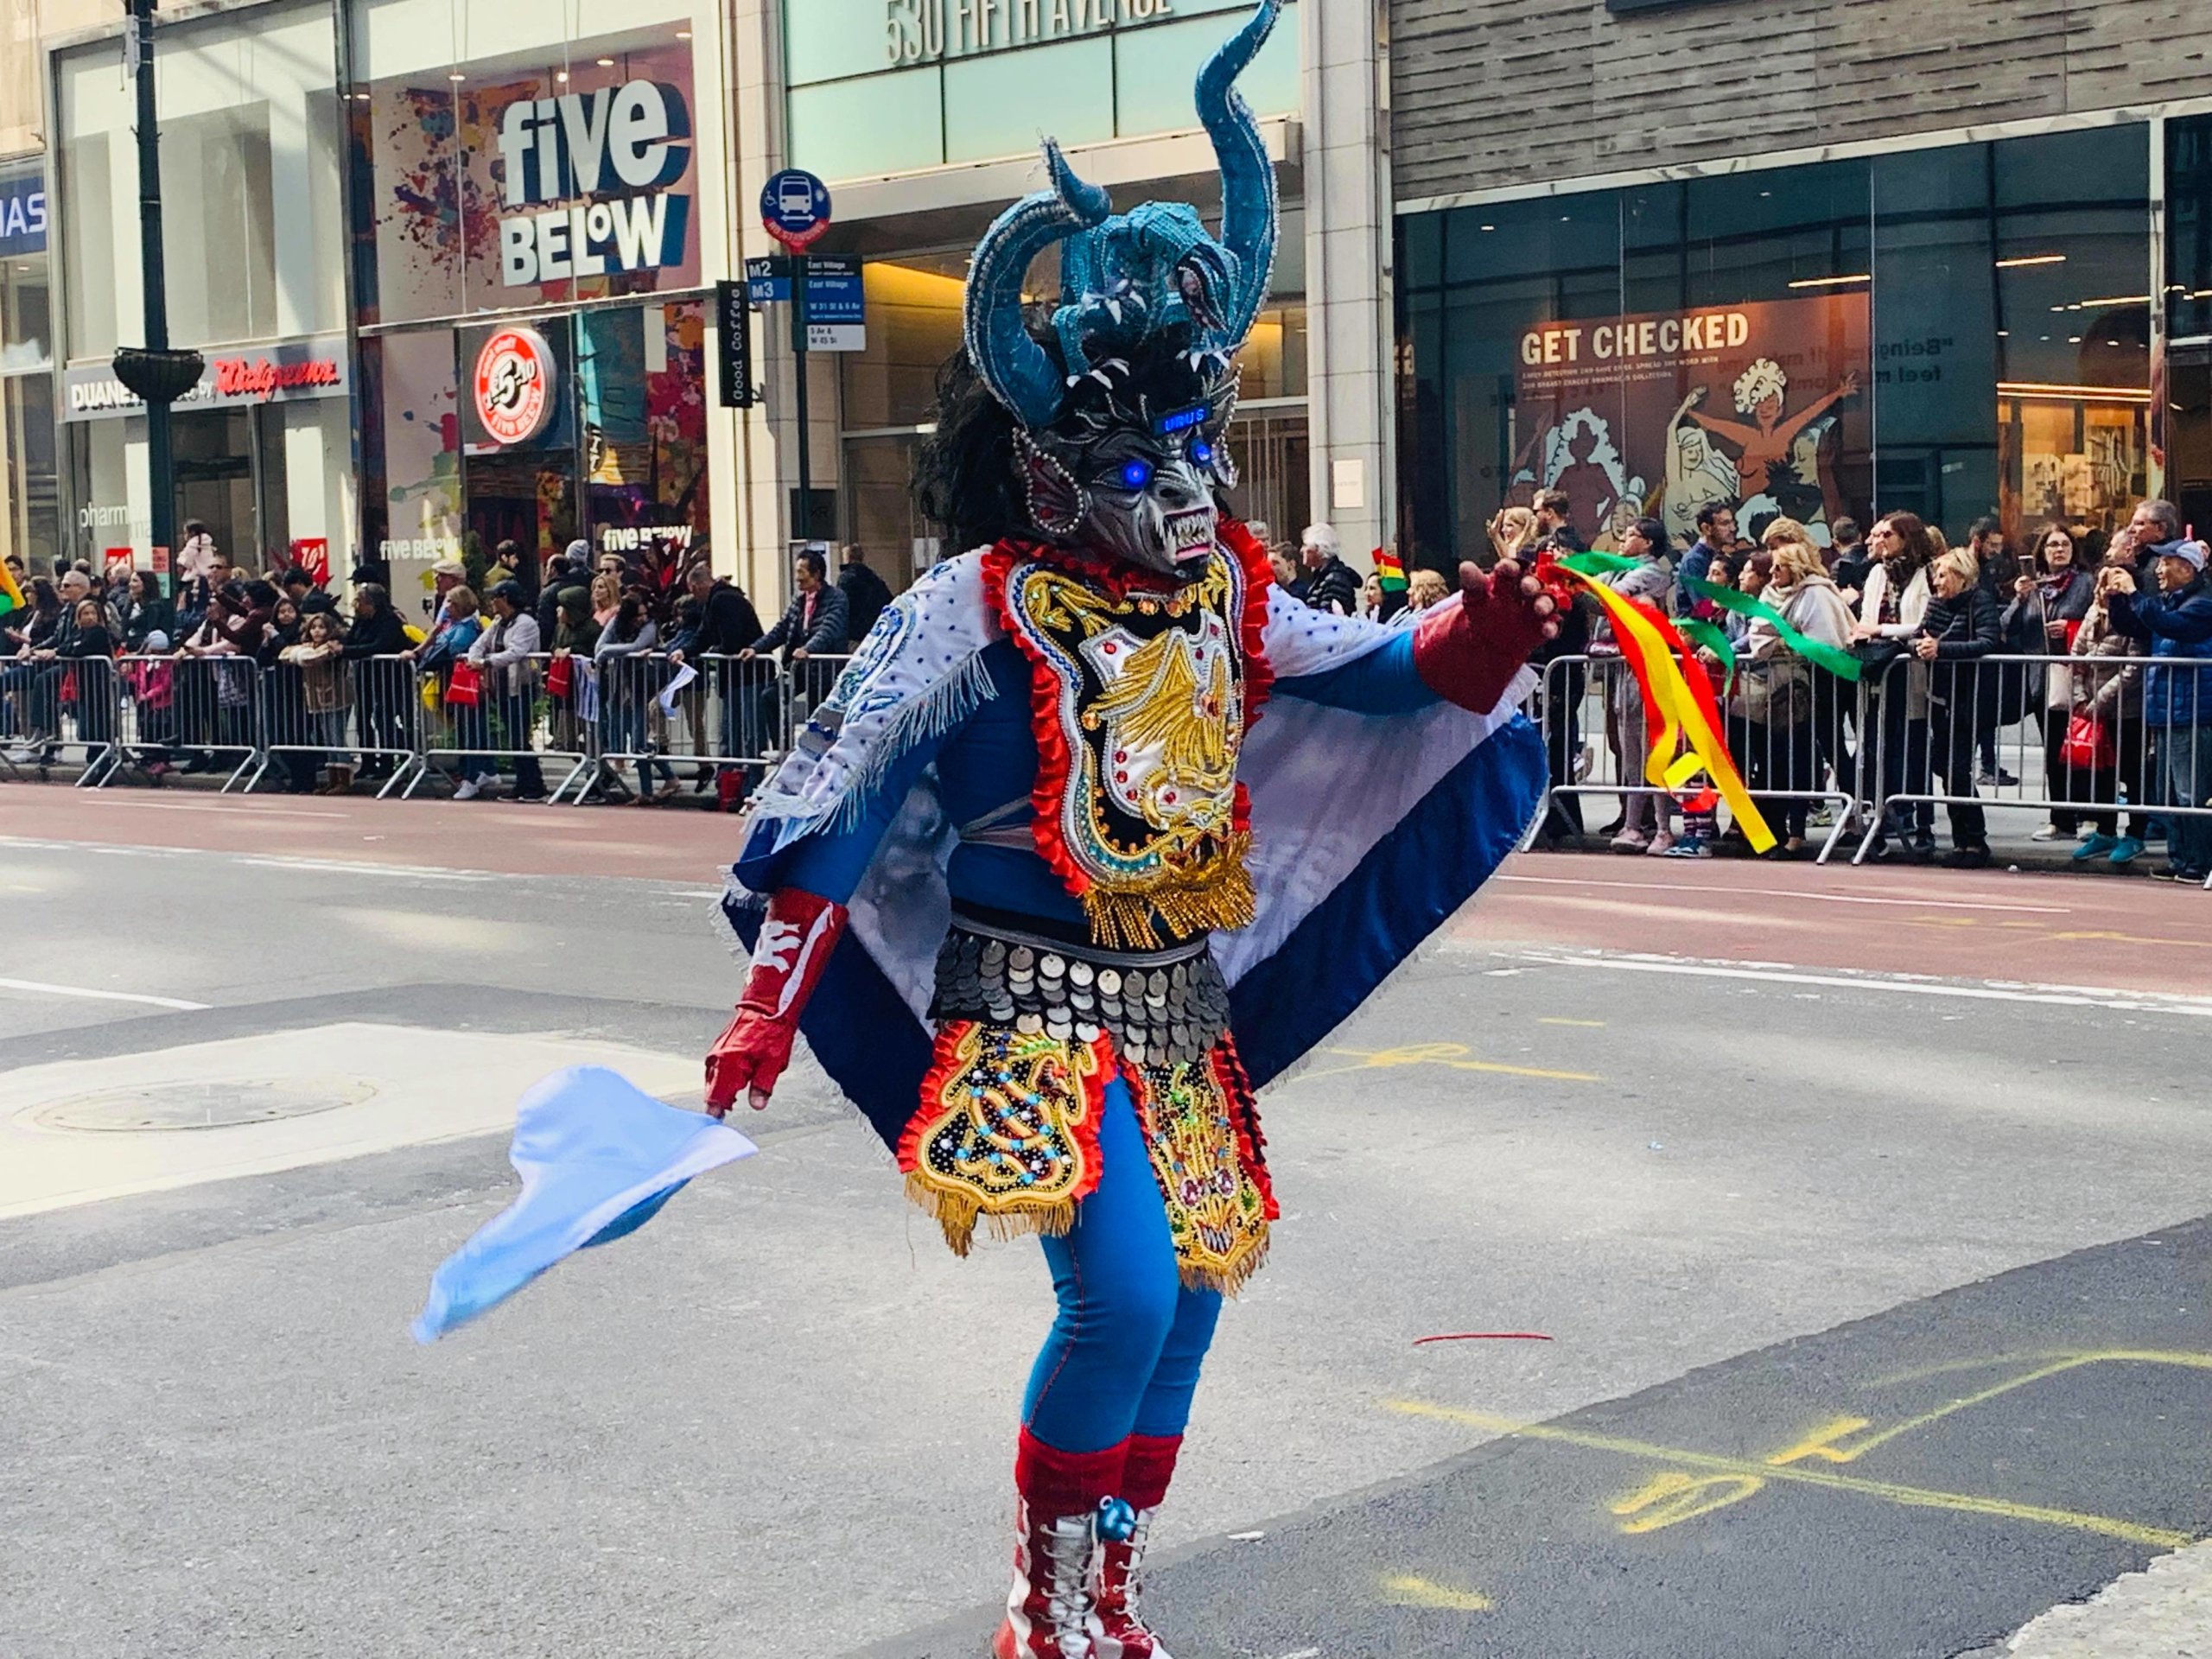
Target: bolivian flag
{"points": [[11, 597], [1389, 570]]}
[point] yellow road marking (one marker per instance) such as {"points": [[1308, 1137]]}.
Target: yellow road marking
{"points": [[1403, 1589], [2181, 1358], [1447, 1054], [1670, 1499], [1887, 1491]]}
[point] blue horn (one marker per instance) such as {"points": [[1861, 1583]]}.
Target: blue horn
{"points": [[1013, 364], [1251, 213]]}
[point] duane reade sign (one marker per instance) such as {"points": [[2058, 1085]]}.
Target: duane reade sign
{"points": [[591, 172]]}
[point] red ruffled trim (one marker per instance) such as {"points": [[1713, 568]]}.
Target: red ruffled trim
{"points": [[1259, 673], [1251, 1144], [1055, 764], [943, 1064]]}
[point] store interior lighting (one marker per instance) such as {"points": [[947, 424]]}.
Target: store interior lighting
{"points": [[2022, 261], [1832, 281]]}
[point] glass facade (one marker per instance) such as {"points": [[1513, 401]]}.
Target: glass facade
{"points": [[1953, 331], [254, 243], [880, 86], [888, 397], [30, 509], [534, 201]]}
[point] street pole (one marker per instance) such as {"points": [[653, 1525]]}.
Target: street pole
{"points": [[159, 466], [157, 374], [806, 514]]}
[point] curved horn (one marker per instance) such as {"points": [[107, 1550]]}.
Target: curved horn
{"points": [[1013, 364], [1250, 210]]}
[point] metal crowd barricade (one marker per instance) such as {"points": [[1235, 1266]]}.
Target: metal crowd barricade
{"points": [[1973, 736], [1798, 753], [53, 707], [312, 717], [633, 723], [519, 717], [188, 714]]}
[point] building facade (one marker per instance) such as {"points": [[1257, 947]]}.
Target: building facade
{"points": [[1822, 258], [924, 116]]}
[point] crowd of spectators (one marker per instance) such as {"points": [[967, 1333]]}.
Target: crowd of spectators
{"points": [[517, 662], [2122, 722], [580, 657]]}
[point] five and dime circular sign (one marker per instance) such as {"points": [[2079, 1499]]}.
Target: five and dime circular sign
{"points": [[513, 384]]}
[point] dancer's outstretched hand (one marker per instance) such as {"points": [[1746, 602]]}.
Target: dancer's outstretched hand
{"points": [[1509, 607], [797, 937], [1468, 653], [750, 1054]]}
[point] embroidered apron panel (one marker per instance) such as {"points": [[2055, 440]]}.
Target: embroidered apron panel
{"points": [[1006, 1131], [1202, 1132], [1140, 709]]}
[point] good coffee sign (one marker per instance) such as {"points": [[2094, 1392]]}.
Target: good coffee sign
{"points": [[590, 183]]}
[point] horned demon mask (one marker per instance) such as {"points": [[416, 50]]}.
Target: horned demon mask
{"points": [[1122, 441]]}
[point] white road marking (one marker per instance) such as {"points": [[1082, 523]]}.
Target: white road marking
{"points": [[1784, 892], [266, 860], [40, 989], [236, 807], [342, 867], [2073, 996], [691, 893]]}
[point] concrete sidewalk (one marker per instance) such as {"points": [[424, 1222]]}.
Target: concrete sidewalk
{"points": [[2163, 1612]]}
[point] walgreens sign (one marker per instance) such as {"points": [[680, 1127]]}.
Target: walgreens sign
{"points": [[596, 174]]}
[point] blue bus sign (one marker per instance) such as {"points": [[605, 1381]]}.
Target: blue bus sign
{"points": [[795, 207]]}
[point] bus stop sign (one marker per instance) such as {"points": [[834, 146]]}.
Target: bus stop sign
{"points": [[795, 207]]}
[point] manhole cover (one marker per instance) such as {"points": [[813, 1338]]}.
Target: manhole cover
{"points": [[202, 1105]]}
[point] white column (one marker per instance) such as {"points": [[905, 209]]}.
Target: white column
{"points": [[1351, 387], [315, 502]]}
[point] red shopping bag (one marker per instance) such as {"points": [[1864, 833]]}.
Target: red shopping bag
{"points": [[559, 677], [2088, 745], [466, 685]]}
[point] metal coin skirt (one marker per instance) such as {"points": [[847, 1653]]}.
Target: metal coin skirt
{"points": [[1031, 1031]]}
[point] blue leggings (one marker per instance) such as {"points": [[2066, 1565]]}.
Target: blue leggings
{"points": [[1124, 1354]]}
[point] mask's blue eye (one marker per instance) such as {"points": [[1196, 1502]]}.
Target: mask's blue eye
{"points": [[1137, 475], [1202, 452]]}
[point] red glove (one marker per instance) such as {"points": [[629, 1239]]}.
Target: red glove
{"points": [[797, 936], [1468, 653]]}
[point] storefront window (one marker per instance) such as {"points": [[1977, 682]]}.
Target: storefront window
{"points": [[894, 85], [1954, 332], [563, 170], [641, 377], [2189, 316], [29, 508], [249, 143]]}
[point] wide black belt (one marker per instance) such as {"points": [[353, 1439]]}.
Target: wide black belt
{"points": [[1162, 1007]]}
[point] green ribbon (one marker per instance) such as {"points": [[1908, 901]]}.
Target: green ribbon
{"points": [[1841, 663], [1706, 634], [1598, 564]]}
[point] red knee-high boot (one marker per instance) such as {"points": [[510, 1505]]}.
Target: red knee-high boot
{"points": [[1052, 1612], [1122, 1635]]}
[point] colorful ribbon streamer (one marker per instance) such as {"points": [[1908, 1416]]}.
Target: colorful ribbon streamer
{"points": [[1683, 722], [1838, 662]]}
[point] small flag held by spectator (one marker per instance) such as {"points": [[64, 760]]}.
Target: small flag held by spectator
{"points": [[11, 597], [1389, 571]]}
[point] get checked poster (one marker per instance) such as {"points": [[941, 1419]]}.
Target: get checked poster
{"points": [[1759, 406]]}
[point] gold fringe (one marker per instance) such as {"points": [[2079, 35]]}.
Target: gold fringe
{"points": [[1230, 1282], [957, 1211], [1217, 895]]}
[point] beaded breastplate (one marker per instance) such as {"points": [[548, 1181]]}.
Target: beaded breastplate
{"points": [[1140, 702]]}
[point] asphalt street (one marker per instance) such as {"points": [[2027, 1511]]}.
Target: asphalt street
{"points": [[1862, 1210]]}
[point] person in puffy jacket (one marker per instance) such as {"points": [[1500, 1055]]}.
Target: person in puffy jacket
{"points": [[1963, 625], [2109, 695], [2176, 620]]}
